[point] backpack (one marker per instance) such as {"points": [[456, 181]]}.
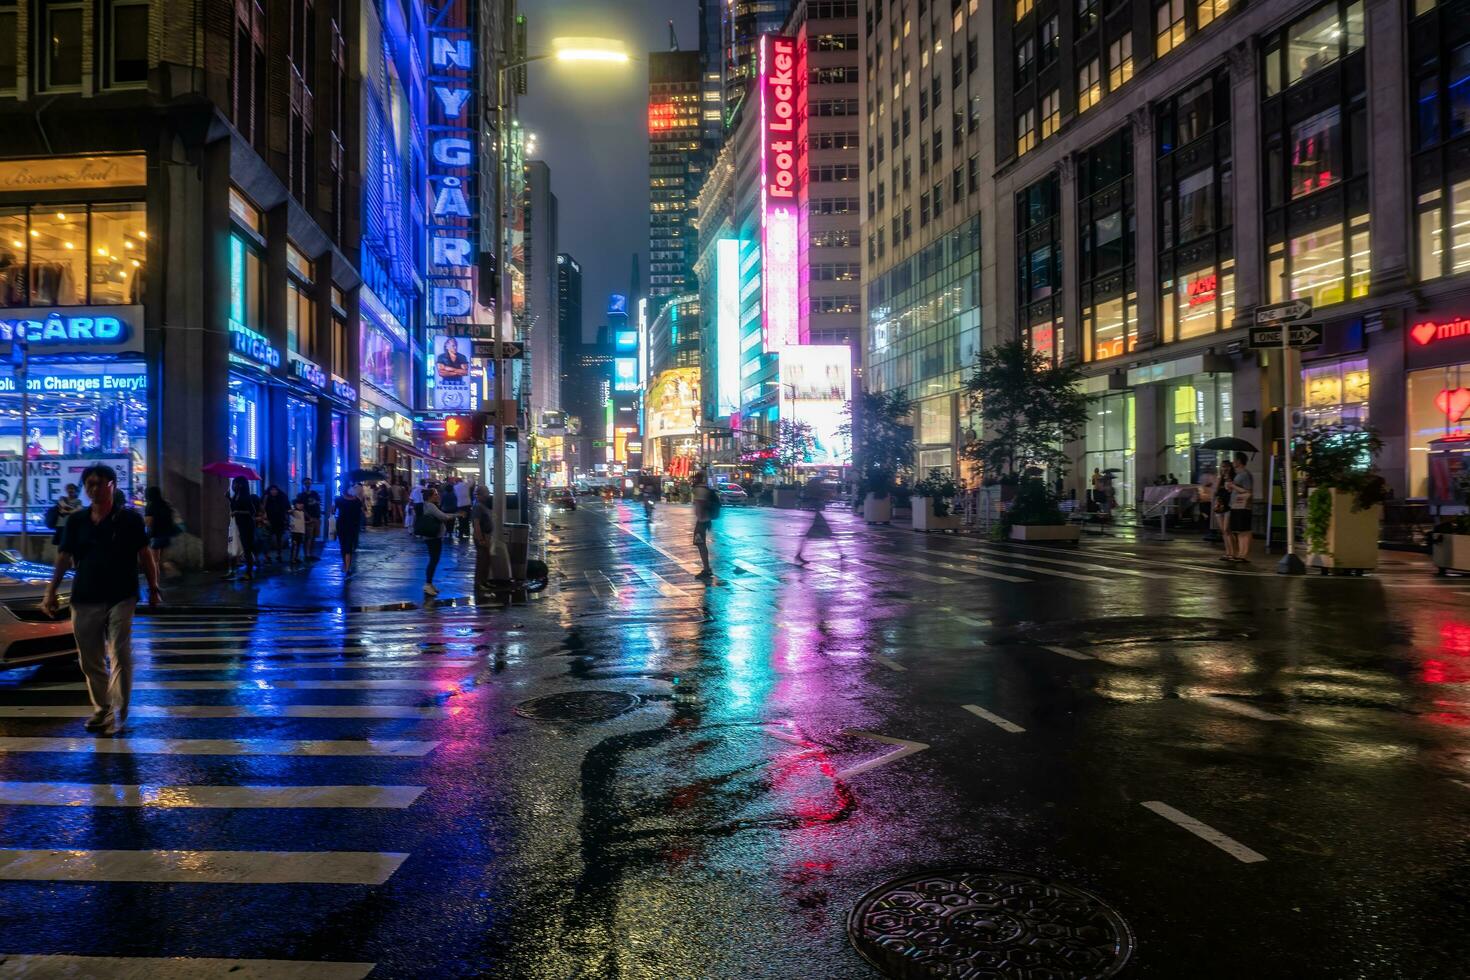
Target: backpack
{"points": [[53, 516], [715, 503]]}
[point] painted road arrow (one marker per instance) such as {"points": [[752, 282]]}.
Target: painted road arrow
{"points": [[905, 749]]}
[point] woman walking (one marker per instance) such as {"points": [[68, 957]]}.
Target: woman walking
{"points": [[158, 521], [277, 509], [430, 526], [819, 530], [348, 511], [1221, 508], [245, 511]]}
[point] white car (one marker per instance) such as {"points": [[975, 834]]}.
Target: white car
{"points": [[28, 635], [732, 494]]}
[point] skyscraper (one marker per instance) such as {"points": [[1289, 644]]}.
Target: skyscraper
{"points": [[675, 170], [744, 22], [543, 333]]}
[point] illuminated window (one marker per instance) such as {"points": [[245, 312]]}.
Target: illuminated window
{"points": [[1441, 118], [1120, 61], [1105, 219], [1051, 113], [1169, 27], [1039, 266], [1207, 10], [72, 254], [1089, 85], [1023, 7], [1025, 132]]}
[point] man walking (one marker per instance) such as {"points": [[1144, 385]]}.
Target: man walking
{"points": [[482, 524], [106, 544], [464, 498], [311, 502], [704, 512]]}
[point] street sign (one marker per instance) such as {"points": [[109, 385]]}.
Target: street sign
{"points": [[1291, 310], [1299, 335], [486, 349]]}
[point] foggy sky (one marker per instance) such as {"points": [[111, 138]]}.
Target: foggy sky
{"points": [[591, 127]]}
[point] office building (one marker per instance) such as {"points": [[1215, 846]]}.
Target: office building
{"points": [[675, 170], [542, 331]]}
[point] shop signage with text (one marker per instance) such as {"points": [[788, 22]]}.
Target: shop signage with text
{"points": [[308, 371], [76, 384], [252, 346], [1426, 332], [782, 76], [49, 475], [342, 390], [453, 138], [82, 329]]}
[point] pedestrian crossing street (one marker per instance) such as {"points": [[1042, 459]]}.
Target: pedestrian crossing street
{"points": [[237, 714]]}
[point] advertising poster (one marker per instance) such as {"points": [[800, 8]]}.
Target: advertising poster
{"points": [[671, 407], [816, 385], [49, 476], [455, 386]]}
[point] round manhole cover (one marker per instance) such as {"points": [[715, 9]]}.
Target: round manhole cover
{"points": [[970, 923], [577, 706]]}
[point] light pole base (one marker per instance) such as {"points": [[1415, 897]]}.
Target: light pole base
{"points": [[1290, 564]]}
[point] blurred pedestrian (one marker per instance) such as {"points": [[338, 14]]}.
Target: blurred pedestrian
{"points": [[416, 498], [431, 525], [1220, 508], [706, 508], [312, 502], [482, 526], [819, 530], [277, 509], [463, 500], [348, 512], [245, 513], [106, 545], [158, 522], [381, 500], [400, 497], [298, 531]]}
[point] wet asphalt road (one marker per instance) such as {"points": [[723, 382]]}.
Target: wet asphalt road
{"points": [[343, 794]]}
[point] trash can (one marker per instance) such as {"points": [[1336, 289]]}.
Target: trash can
{"points": [[518, 543]]}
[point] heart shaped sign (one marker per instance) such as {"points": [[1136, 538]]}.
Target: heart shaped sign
{"points": [[1454, 402], [1424, 332]]}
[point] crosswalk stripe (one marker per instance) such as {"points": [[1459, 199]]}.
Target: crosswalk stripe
{"points": [[56, 966], [280, 651], [202, 867], [601, 585], [355, 747], [253, 665], [664, 587], [980, 572], [228, 711], [248, 684], [207, 797], [921, 576]]}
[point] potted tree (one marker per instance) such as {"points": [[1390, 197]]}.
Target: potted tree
{"points": [[1345, 496], [931, 502], [882, 446], [1030, 409]]}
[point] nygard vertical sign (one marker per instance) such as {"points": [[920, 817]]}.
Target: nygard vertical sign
{"points": [[453, 204]]}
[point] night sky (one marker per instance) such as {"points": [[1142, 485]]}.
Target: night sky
{"points": [[590, 124]]}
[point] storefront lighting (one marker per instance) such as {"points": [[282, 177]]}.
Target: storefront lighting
{"points": [[18, 244], [35, 233], [101, 250], [60, 216], [68, 245], [142, 233], [385, 422], [127, 244]]}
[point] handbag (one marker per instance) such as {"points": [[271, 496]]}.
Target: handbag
{"points": [[426, 526], [232, 545]]}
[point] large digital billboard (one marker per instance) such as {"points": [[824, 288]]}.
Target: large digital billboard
{"points": [[816, 385], [625, 374], [780, 83], [671, 407], [727, 327], [454, 380]]}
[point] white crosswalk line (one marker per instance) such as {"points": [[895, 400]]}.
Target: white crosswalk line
{"points": [[1241, 708], [253, 665], [601, 585], [662, 585], [202, 867], [350, 747], [977, 572], [56, 966], [228, 711], [1204, 831], [1078, 562], [1069, 653], [994, 719], [207, 797], [246, 684]]}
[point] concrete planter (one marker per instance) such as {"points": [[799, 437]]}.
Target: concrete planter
{"points": [[786, 498], [1046, 533], [924, 520], [878, 510], [1352, 537], [1451, 552]]}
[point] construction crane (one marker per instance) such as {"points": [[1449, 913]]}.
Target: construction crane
{"points": [[673, 38]]}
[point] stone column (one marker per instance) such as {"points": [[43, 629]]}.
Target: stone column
{"points": [[1388, 135], [276, 456], [1146, 223], [1245, 154], [1071, 257]]}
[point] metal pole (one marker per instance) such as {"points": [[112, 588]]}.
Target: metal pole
{"points": [[497, 533], [1290, 564], [25, 448]]}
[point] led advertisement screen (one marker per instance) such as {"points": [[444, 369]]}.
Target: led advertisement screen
{"points": [[671, 407], [454, 380], [625, 374], [780, 84], [816, 385], [727, 327]]}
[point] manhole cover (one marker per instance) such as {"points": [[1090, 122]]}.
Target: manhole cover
{"points": [[1133, 629], [970, 923], [578, 706]]}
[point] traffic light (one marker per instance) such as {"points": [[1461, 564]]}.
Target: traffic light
{"points": [[466, 428]]}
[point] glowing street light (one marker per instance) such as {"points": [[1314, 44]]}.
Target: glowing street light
{"points": [[590, 49]]}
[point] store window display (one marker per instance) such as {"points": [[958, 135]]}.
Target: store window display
{"points": [[73, 255]]}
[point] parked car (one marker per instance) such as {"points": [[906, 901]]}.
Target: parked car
{"points": [[28, 635], [732, 493], [561, 498]]}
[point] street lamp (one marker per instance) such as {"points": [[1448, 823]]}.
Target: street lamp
{"points": [[565, 49]]}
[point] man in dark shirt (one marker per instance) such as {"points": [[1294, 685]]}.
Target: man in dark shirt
{"points": [[482, 523], [312, 502], [106, 544]]}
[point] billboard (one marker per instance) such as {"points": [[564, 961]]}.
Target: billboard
{"points": [[455, 381], [452, 164], [671, 407], [816, 385], [625, 374], [780, 85], [727, 327]]}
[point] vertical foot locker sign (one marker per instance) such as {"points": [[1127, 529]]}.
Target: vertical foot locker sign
{"points": [[781, 79], [453, 202]]}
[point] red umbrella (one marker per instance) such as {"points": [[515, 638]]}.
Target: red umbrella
{"points": [[230, 470]]}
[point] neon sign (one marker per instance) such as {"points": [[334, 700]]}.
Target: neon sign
{"points": [[727, 327], [1203, 290], [58, 329], [251, 345], [452, 164], [780, 86], [308, 371], [341, 389], [78, 384], [1427, 332], [1453, 402]]}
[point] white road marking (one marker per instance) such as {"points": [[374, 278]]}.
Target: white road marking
{"points": [[1038, 569], [755, 570], [994, 719], [252, 666], [662, 585], [228, 711], [251, 684], [1460, 782], [921, 576], [966, 620], [691, 567], [1204, 831], [202, 867], [906, 748], [1068, 652], [602, 586], [1241, 708], [1070, 563], [891, 664], [207, 797], [978, 572], [222, 746], [52, 966]]}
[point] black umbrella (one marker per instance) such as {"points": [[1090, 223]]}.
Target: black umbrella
{"points": [[1229, 444], [1112, 469], [366, 476]]}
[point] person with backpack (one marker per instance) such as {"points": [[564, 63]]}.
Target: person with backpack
{"points": [[431, 525], [706, 509], [58, 512], [158, 521]]}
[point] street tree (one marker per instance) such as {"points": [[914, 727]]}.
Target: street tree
{"points": [[882, 439], [795, 444], [1030, 409]]}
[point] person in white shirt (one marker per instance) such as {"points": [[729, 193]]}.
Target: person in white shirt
{"points": [[463, 499]]}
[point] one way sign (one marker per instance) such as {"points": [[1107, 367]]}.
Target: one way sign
{"points": [[508, 350], [1300, 335], [1292, 309]]}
